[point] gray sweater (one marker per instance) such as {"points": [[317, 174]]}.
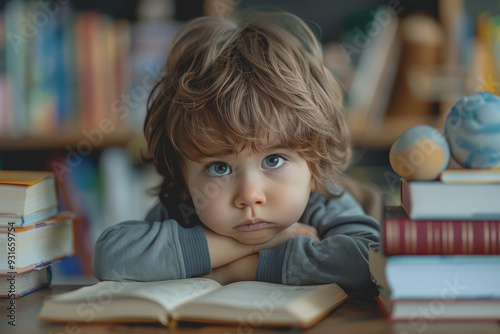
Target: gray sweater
{"points": [[160, 248]]}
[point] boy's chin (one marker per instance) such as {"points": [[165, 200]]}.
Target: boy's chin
{"points": [[254, 239]]}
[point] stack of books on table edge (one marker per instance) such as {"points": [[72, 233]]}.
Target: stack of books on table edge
{"points": [[33, 233], [439, 256]]}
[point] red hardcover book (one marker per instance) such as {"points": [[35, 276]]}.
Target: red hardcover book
{"points": [[404, 236]]}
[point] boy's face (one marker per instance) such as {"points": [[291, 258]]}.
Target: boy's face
{"points": [[250, 196]]}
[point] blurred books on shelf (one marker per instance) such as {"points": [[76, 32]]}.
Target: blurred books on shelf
{"points": [[373, 80], [79, 72], [75, 89], [415, 75], [101, 193], [422, 40], [380, 91]]}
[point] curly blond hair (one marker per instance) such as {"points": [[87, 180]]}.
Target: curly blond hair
{"points": [[257, 79]]}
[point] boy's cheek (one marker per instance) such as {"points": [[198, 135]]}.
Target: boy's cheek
{"points": [[211, 218]]}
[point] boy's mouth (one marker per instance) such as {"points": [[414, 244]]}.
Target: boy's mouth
{"points": [[250, 225]]}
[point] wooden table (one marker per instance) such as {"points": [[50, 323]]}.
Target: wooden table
{"points": [[357, 316]]}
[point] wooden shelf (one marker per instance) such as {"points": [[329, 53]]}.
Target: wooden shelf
{"points": [[383, 135], [375, 136], [75, 139]]}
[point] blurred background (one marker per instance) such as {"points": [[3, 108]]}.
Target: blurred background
{"points": [[75, 77]]}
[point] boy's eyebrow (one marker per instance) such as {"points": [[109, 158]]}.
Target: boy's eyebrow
{"points": [[202, 158], [275, 146], [223, 154]]}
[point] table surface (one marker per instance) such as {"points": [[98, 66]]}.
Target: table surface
{"points": [[355, 316]]}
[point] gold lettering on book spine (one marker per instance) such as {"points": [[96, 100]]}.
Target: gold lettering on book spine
{"points": [[464, 238], [498, 238], [407, 237], [451, 237], [470, 236], [444, 237], [493, 239], [497, 241], [437, 238], [414, 237], [429, 237], [397, 234], [486, 230]]}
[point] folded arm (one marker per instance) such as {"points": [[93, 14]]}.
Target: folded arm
{"points": [[245, 268], [150, 251], [162, 249], [341, 256]]}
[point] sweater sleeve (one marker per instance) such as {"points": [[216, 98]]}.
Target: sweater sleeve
{"points": [[150, 251], [341, 256]]}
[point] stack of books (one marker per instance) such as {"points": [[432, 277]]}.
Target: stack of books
{"points": [[33, 233], [439, 255]]}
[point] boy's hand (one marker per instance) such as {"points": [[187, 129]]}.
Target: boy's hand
{"points": [[224, 250], [293, 230], [244, 269]]}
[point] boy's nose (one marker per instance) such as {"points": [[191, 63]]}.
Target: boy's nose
{"points": [[250, 194]]}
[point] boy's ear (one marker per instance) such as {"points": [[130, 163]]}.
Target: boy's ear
{"points": [[313, 184]]}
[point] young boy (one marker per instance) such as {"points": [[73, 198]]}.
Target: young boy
{"points": [[246, 128]]}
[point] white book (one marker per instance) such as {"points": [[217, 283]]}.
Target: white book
{"points": [[24, 193], [461, 201], [37, 245]]}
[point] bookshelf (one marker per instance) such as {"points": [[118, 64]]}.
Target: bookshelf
{"points": [[122, 137], [383, 135], [441, 58], [73, 97]]}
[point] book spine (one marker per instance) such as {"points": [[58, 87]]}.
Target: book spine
{"points": [[405, 197], [410, 237]]}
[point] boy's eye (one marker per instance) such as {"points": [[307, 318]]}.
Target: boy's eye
{"points": [[273, 161], [219, 169]]}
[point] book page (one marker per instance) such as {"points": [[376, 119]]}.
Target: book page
{"points": [[173, 293], [243, 294], [169, 294]]}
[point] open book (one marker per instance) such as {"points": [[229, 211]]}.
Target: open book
{"points": [[195, 299]]}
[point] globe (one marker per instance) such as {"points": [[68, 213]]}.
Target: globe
{"points": [[420, 153], [472, 128]]}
